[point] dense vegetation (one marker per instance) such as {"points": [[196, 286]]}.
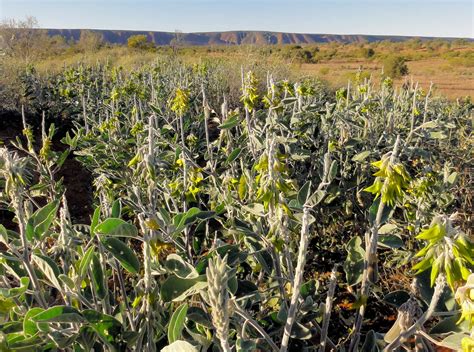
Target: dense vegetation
{"points": [[275, 217], [447, 63]]}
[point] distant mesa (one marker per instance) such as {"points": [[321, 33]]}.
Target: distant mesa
{"points": [[233, 37]]}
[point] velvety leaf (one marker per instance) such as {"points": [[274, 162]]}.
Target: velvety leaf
{"points": [[233, 155], [198, 315], [95, 219], [15, 291], [450, 325], [59, 314], [300, 332], [98, 277], [354, 264], [231, 122], [397, 298], [386, 215], [177, 289], [85, 261], [454, 341], [40, 222], [370, 343], [387, 228], [304, 193], [126, 257], [49, 268], [29, 326], [116, 209], [116, 227], [176, 265], [390, 241], [316, 198], [180, 346], [332, 171], [246, 345], [176, 323], [361, 156]]}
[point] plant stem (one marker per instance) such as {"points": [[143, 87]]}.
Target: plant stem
{"points": [[304, 240], [206, 121], [328, 308], [26, 252], [256, 326], [124, 294], [370, 264]]}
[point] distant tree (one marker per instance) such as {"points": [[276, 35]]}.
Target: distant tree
{"points": [[306, 56], [460, 42], [414, 43], [395, 67], [57, 44], [434, 45], [22, 39], [367, 52], [90, 41], [139, 41], [175, 43]]}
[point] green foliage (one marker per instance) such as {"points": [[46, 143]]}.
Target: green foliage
{"points": [[448, 251], [391, 180], [354, 264], [90, 41], [395, 67], [139, 41], [200, 213], [180, 102], [249, 91], [367, 53]]}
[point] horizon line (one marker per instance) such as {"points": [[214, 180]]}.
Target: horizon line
{"points": [[261, 31]]}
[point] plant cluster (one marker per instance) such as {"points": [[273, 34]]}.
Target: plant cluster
{"points": [[236, 224]]}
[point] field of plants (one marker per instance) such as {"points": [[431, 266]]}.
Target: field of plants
{"points": [[182, 208]]}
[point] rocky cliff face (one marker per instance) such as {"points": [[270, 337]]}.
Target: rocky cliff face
{"points": [[228, 38]]}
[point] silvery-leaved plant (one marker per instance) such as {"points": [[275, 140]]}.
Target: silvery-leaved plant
{"points": [[447, 250]]}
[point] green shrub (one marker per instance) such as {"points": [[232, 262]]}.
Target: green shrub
{"points": [[367, 53], [139, 41], [395, 67]]}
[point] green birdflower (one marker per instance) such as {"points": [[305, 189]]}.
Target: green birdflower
{"points": [[180, 102], [448, 251], [391, 180]]}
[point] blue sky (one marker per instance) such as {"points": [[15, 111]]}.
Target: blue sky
{"points": [[394, 17]]}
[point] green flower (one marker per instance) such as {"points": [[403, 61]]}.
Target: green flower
{"points": [[249, 91], [391, 180], [180, 102], [467, 344], [465, 297], [448, 251]]}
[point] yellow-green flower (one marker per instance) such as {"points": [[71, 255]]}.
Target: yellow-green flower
{"points": [[467, 344], [45, 151], [465, 297], [391, 180], [180, 102], [448, 251], [249, 91]]}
